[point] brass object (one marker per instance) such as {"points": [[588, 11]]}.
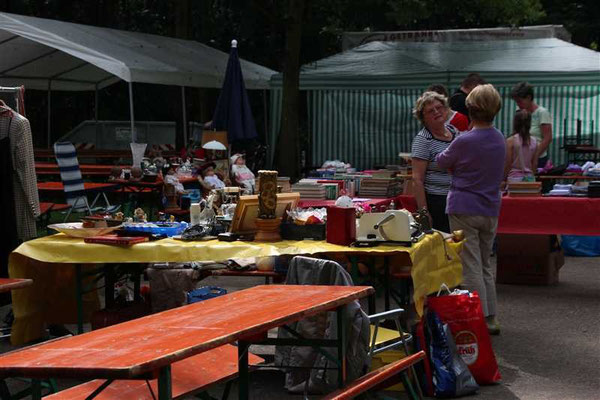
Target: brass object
{"points": [[459, 235]]}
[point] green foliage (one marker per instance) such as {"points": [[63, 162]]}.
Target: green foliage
{"points": [[455, 14], [581, 18]]}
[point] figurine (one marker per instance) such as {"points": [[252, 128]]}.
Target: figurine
{"points": [[136, 174], [119, 216], [139, 215], [171, 179], [115, 173], [241, 174], [210, 177]]}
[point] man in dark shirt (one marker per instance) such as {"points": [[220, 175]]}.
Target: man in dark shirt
{"points": [[457, 101]]}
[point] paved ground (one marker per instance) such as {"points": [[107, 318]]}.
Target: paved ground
{"points": [[549, 348]]}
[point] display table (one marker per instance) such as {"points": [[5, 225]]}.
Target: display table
{"points": [[550, 215], [53, 262]]}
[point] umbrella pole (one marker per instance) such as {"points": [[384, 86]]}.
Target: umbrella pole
{"points": [[131, 114], [185, 125], [49, 113]]}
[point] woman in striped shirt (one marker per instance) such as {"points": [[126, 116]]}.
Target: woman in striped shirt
{"points": [[431, 183]]}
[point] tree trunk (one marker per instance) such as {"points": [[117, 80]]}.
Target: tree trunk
{"points": [[287, 158], [182, 29]]}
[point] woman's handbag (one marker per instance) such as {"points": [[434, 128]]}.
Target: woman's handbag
{"points": [[462, 312]]}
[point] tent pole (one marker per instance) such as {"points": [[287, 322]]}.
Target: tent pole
{"points": [[96, 104], [185, 124], [131, 114], [96, 112], [49, 113], [266, 122]]}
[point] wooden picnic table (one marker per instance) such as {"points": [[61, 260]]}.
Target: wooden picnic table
{"points": [[54, 187], [56, 262], [49, 168], [141, 348], [8, 284]]}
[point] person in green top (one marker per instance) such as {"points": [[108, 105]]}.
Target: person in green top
{"points": [[541, 120]]}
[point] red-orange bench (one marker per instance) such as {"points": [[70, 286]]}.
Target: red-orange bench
{"points": [[189, 376], [374, 378]]}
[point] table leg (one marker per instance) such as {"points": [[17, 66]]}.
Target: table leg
{"points": [[244, 388], [165, 391], [341, 345], [36, 389], [109, 285], [386, 282], [79, 294]]}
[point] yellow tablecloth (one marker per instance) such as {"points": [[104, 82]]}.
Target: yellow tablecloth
{"points": [[47, 261]]}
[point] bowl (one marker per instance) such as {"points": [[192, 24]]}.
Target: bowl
{"points": [[76, 229]]}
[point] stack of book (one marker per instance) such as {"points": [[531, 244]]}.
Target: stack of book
{"points": [[284, 182], [524, 189], [380, 187], [310, 190]]}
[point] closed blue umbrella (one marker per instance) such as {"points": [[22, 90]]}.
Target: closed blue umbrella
{"points": [[232, 113]]}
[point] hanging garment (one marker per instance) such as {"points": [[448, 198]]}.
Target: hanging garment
{"points": [[26, 200], [7, 205]]}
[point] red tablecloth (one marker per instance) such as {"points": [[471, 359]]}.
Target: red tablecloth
{"points": [[371, 202], [541, 215], [550, 215]]}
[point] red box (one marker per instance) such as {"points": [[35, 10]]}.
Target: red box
{"points": [[341, 225]]}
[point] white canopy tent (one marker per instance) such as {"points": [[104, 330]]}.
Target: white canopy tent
{"points": [[50, 55]]}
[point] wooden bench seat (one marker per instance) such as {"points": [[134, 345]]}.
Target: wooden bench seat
{"points": [[189, 376], [374, 378]]}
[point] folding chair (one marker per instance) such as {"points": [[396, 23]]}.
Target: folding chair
{"points": [[383, 339], [68, 165]]}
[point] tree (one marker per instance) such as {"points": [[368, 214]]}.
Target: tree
{"points": [[454, 14], [288, 154]]}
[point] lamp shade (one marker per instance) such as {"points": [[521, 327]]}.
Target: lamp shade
{"points": [[214, 145]]}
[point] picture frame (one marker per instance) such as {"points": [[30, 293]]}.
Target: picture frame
{"points": [[246, 211]]}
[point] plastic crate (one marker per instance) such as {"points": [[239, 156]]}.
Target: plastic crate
{"points": [[385, 358], [205, 293], [156, 228]]}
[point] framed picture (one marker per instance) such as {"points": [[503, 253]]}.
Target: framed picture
{"points": [[246, 211]]}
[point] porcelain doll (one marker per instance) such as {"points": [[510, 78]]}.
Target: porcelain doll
{"points": [[241, 174]]}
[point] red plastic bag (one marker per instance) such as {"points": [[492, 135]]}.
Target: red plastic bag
{"points": [[464, 316]]}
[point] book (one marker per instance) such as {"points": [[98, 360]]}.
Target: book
{"points": [[116, 240]]}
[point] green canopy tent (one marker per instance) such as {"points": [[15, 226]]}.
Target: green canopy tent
{"points": [[360, 100]]}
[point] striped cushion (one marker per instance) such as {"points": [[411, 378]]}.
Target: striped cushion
{"points": [[68, 165]]}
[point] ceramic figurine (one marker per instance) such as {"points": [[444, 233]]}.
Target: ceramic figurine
{"points": [[139, 215]]}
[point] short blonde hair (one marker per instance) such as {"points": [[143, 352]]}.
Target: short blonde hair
{"points": [[483, 103], [426, 98]]}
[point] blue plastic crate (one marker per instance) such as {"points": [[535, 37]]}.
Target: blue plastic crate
{"points": [[205, 293], [157, 228]]}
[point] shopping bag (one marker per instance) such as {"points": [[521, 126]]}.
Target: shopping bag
{"points": [[464, 315], [451, 376], [423, 369]]}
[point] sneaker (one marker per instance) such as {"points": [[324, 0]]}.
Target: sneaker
{"points": [[492, 325]]}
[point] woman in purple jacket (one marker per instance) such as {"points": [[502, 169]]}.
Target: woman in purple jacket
{"points": [[476, 161]]}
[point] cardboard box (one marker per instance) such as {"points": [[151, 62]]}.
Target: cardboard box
{"points": [[529, 269], [526, 245]]}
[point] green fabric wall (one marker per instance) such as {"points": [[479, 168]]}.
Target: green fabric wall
{"points": [[370, 127]]}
